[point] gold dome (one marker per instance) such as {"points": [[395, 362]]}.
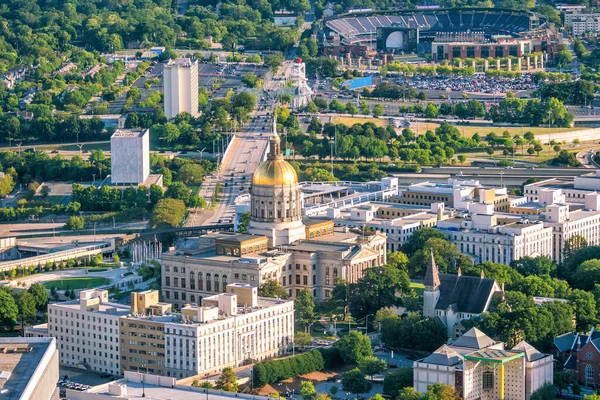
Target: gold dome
{"points": [[275, 172]]}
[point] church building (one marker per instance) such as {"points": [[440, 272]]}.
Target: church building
{"points": [[280, 245], [453, 298]]}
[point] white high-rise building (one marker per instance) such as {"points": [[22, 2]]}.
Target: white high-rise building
{"points": [[303, 93], [130, 156], [181, 87]]}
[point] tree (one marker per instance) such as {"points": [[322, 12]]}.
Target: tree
{"points": [[116, 258], [351, 109], [74, 223], [546, 392], [26, 305], [227, 381], [584, 306], [168, 213], [302, 339], [431, 111], [562, 380], [191, 174], [40, 296], [377, 289], [305, 310], [8, 309], [354, 347], [354, 381], [244, 223], [371, 366], [307, 390], [409, 393], [439, 391], [462, 158], [378, 110], [397, 380], [273, 61], [273, 289], [573, 244]]}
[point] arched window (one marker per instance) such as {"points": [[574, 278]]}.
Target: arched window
{"points": [[200, 281], [192, 280], [327, 276], [335, 274], [216, 283], [192, 298], [589, 373], [208, 283], [224, 281]]}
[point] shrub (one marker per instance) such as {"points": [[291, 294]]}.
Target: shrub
{"points": [[271, 371]]}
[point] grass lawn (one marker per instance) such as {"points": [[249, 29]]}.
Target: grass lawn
{"points": [[544, 156], [349, 121], [66, 147], [470, 130], [419, 288], [86, 282]]}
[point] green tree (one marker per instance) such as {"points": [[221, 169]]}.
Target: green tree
{"points": [[584, 306], [546, 392], [273, 289], [431, 111], [307, 390], [377, 289], [191, 174], [562, 380], [305, 310], [74, 223], [573, 244], [40, 296], [244, 223], [397, 380], [227, 381], [354, 381], [26, 305], [8, 309], [302, 339], [371, 366], [354, 347], [378, 110], [168, 213]]}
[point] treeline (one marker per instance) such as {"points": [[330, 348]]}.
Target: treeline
{"points": [[271, 371], [531, 112], [61, 127], [413, 332], [577, 92]]}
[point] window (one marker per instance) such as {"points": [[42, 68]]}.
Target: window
{"points": [[487, 380], [589, 355], [589, 373]]}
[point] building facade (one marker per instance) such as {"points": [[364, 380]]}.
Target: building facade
{"points": [[480, 368], [130, 156], [180, 87], [223, 330]]}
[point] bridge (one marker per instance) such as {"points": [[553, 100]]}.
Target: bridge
{"points": [[162, 235]]}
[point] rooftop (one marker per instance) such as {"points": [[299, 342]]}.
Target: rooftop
{"points": [[19, 359], [494, 356], [129, 133], [181, 62], [103, 308]]}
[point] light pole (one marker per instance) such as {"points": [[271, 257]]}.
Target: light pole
{"points": [[549, 122], [501, 174], [367, 323], [201, 153]]}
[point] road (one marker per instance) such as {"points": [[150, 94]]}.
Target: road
{"points": [[585, 158], [246, 152]]}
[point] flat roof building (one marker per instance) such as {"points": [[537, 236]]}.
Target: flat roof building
{"points": [[130, 156], [28, 368], [180, 87]]}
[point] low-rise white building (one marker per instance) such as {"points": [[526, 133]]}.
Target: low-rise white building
{"points": [[481, 237], [86, 331]]}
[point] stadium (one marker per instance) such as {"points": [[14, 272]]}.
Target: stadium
{"points": [[444, 33]]}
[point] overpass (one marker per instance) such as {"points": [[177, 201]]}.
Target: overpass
{"points": [[162, 235], [57, 257]]}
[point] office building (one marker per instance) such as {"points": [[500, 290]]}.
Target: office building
{"points": [[130, 156], [480, 368], [180, 86], [28, 369], [223, 330], [497, 238]]}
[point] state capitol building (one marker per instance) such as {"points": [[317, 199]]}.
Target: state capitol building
{"points": [[280, 245]]}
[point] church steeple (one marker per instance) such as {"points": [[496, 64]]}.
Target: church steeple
{"points": [[432, 275]]}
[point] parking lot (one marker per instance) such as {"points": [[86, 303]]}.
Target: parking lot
{"points": [[80, 379]]}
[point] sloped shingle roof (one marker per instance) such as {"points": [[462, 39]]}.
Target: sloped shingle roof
{"points": [[474, 339], [469, 293]]}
